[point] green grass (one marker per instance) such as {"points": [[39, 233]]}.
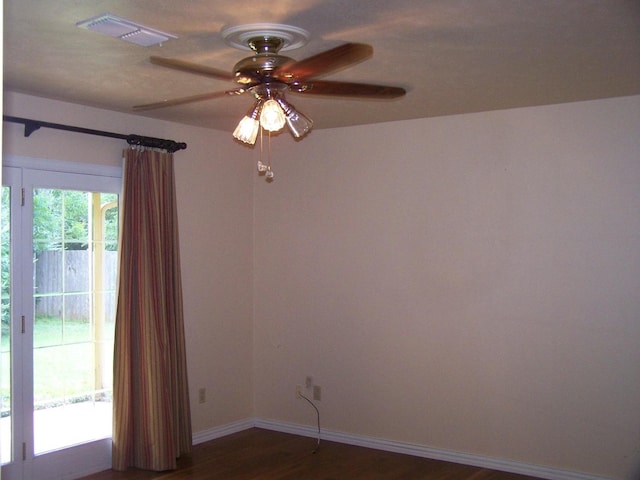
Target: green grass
{"points": [[51, 331], [64, 361]]}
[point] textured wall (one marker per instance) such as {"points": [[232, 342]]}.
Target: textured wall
{"points": [[468, 283]]}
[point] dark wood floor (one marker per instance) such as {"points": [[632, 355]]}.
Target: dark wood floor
{"points": [[257, 454]]}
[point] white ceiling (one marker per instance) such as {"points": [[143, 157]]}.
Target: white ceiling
{"points": [[452, 56]]}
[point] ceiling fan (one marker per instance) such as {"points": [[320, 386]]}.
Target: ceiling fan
{"points": [[268, 76]]}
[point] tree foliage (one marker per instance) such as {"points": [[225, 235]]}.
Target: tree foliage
{"points": [[61, 220]]}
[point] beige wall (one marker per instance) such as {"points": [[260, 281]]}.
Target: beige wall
{"points": [[469, 283], [215, 221]]}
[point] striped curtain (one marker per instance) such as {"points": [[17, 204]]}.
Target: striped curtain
{"points": [[152, 419]]}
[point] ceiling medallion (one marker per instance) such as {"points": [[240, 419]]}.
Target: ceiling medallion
{"points": [[239, 36]]}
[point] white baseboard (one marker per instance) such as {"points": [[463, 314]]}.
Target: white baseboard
{"points": [[223, 430], [539, 471]]}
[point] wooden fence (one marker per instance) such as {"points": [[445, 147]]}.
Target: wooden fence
{"points": [[64, 284]]}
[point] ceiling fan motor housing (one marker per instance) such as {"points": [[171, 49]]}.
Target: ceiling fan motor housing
{"points": [[261, 66], [258, 68]]}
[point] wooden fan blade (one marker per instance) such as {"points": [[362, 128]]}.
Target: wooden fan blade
{"points": [[190, 67], [347, 89], [326, 62], [192, 98]]}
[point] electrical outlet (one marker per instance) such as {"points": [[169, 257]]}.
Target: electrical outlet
{"points": [[317, 392], [298, 391], [308, 382], [202, 395]]}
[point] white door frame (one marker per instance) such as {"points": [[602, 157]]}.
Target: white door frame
{"points": [[29, 173]]}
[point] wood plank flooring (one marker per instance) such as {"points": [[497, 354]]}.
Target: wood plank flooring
{"points": [[258, 454]]}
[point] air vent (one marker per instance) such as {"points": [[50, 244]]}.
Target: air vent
{"points": [[125, 29]]}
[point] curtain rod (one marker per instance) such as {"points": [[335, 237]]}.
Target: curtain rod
{"points": [[31, 126]]}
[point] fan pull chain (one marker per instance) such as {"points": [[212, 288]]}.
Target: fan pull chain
{"points": [[265, 168], [262, 168], [269, 173]]}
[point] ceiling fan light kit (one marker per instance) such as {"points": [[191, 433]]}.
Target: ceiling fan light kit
{"points": [[247, 129], [272, 117], [268, 76], [298, 124]]}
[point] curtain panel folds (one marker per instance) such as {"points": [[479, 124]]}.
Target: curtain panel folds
{"points": [[152, 418]]}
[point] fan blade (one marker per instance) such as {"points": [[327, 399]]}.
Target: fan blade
{"points": [[347, 89], [183, 66], [326, 62], [193, 98]]}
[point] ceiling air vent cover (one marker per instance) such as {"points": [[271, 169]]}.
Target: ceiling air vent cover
{"points": [[125, 29]]}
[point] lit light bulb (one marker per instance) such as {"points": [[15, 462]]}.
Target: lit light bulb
{"points": [[272, 117], [269, 175], [261, 167], [247, 130]]}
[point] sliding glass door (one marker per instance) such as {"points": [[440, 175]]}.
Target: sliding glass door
{"points": [[59, 268]]}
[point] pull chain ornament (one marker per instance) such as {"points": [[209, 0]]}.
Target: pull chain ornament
{"points": [[265, 168]]}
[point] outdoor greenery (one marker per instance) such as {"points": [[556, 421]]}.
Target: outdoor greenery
{"points": [[60, 218], [60, 221], [4, 264], [64, 346], [59, 347]]}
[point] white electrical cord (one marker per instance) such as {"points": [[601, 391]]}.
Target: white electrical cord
{"points": [[318, 415]]}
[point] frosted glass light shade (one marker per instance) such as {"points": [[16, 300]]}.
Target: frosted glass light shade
{"points": [[272, 116], [298, 124], [247, 130]]}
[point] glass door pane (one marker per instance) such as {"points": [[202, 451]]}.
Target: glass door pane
{"points": [[58, 282], [6, 417], [75, 264], [11, 342]]}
